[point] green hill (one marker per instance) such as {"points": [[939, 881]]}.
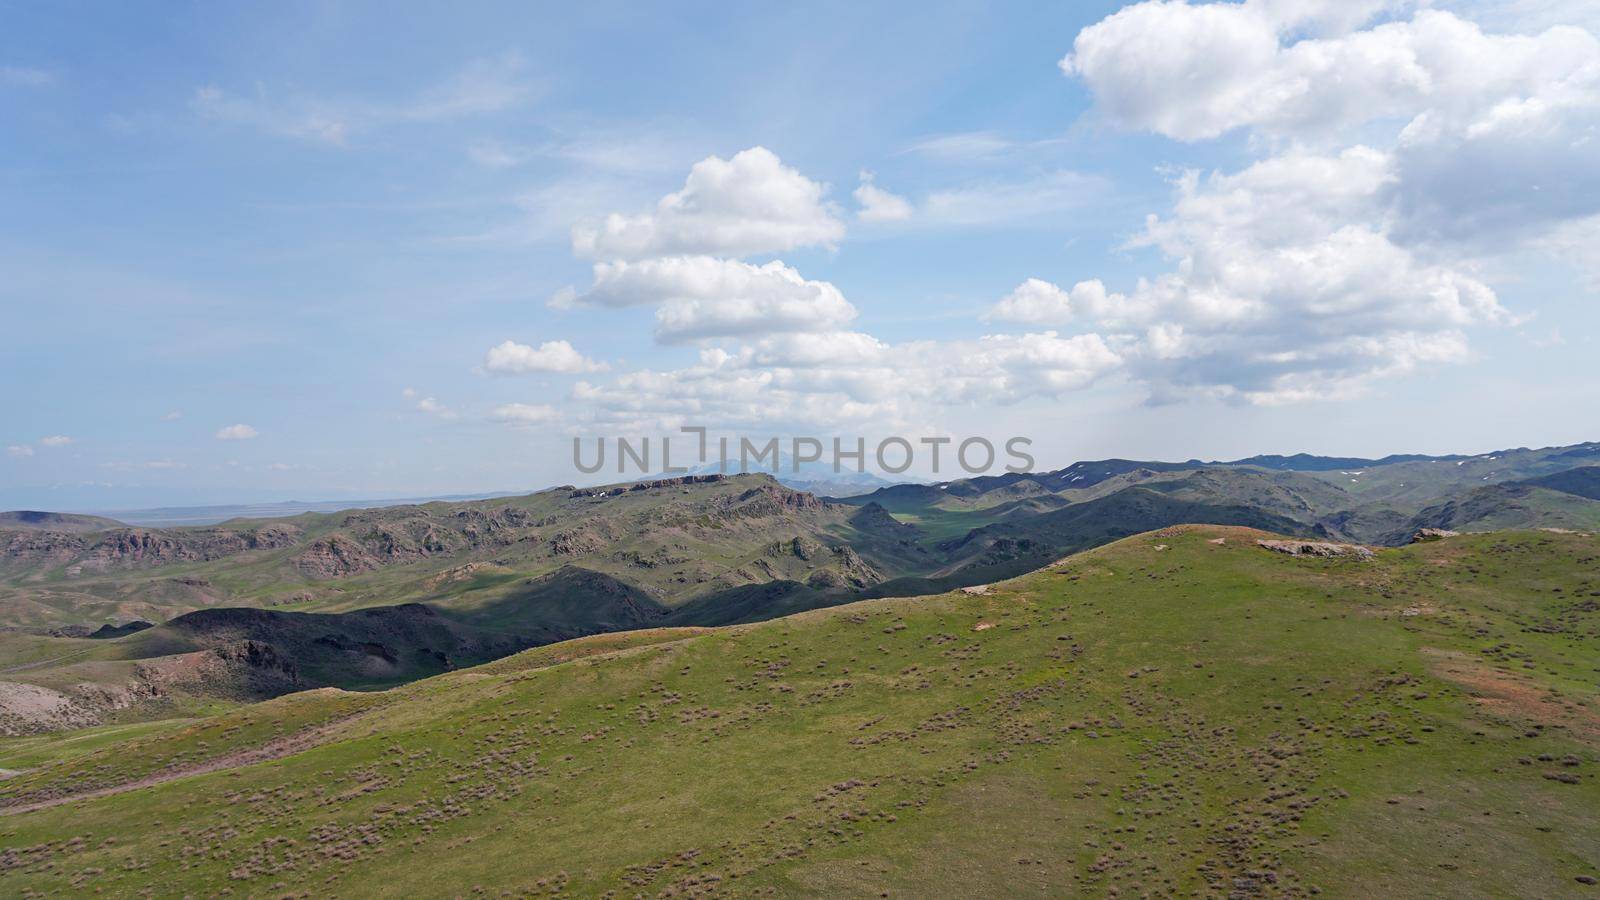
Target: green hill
{"points": [[1178, 712]]}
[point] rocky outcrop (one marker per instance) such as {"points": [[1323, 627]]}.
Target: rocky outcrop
{"points": [[1432, 534], [1316, 548], [575, 542], [612, 490], [334, 557], [772, 499], [138, 547]]}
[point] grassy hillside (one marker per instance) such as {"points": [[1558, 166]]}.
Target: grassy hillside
{"points": [[1177, 712]]}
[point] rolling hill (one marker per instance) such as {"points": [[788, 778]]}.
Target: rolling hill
{"points": [[1178, 712], [267, 607]]}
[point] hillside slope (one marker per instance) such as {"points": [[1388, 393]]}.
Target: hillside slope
{"points": [[1178, 712], [675, 541]]}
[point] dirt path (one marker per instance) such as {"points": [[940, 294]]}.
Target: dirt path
{"points": [[276, 748], [46, 662]]}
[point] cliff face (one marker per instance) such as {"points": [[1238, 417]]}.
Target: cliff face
{"points": [[134, 547]]}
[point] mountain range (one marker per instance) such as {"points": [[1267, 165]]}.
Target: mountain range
{"points": [[113, 623]]}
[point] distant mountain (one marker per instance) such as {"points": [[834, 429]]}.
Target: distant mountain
{"points": [[71, 523], [372, 596], [1349, 498], [170, 516], [1583, 482], [815, 477]]}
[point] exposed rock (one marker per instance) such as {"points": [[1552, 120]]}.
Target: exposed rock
{"points": [[1316, 548], [462, 573], [334, 556], [122, 547], [1432, 534], [853, 568], [576, 542], [612, 490], [772, 499], [29, 709]]}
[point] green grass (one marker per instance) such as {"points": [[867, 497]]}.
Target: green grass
{"points": [[1164, 715]]}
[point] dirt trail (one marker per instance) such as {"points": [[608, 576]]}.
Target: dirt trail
{"points": [[76, 654], [277, 748]]}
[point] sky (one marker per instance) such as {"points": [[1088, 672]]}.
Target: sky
{"points": [[254, 252]]}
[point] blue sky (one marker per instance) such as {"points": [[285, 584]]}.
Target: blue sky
{"points": [[316, 220]]}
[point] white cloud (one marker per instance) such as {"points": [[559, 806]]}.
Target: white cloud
{"points": [[1315, 272], [1283, 287], [55, 440], [19, 451], [1038, 302], [877, 204], [565, 297], [964, 146], [236, 433], [834, 348], [848, 378], [429, 405], [700, 296], [1495, 132], [746, 205], [512, 358], [1196, 71], [525, 414], [173, 416]]}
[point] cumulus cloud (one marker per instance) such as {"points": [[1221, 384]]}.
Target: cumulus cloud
{"points": [[1283, 287], [834, 379], [19, 451], [1195, 71], [742, 206], [1495, 132], [236, 433], [560, 357], [701, 296], [877, 204], [1317, 270], [1038, 302], [55, 440]]}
